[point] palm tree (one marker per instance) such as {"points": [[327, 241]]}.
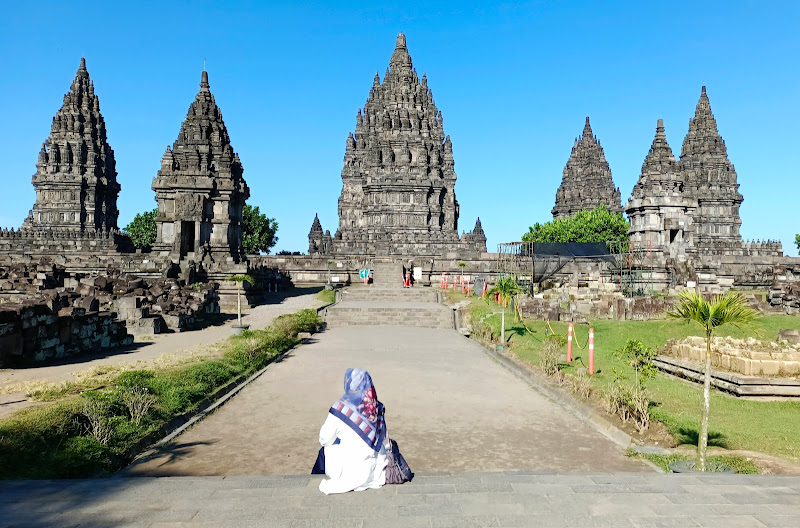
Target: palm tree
{"points": [[730, 308], [507, 287]]}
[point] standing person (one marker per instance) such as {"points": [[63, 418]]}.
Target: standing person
{"points": [[353, 436]]}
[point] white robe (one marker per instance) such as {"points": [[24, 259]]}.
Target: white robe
{"points": [[351, 464]]}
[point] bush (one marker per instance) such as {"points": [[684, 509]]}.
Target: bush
{"points": [[551, 353], [138, 400], [629, 404], [308, 321], [581, 384]]}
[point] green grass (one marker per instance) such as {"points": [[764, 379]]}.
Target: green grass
{"points": [[739, 463], [54, 440], [735, 423], [329, 296]]}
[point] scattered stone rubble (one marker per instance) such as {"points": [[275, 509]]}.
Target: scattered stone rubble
{"points": [[46, 312], [786, 296]]}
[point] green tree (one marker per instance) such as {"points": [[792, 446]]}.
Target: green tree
{"points": [[594, 225], [730, 308], [259, 231], [797, 242], [142, 229], [508, 289]]}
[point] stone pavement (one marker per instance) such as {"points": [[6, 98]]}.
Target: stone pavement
{"points": [[467, 500], [449, 406]]}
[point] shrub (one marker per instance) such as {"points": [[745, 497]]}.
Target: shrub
{"points": [[581, 384], [551, 353], [308, 321], [138, 400], [629, 404], [97, 413]]}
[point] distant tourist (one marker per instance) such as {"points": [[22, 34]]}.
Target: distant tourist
{"points": [[353, 455]]}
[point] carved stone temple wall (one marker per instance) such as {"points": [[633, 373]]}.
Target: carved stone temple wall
{"points": [[76, 177], [690, 207], [398, 181], [586, 182], [76, 186], [200, 189]]}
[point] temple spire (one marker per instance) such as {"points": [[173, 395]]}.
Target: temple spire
{"points": [[586, 180], [76, 155], [204, 82], [400, 158]]}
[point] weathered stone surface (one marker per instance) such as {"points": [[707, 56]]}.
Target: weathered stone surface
{"points": [[711, 179], [200, 189], [691, 207], [76, 178], [398, 193], [586, 182]]}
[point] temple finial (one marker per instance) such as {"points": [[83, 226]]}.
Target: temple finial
{"points": [[83, 65], [204, 81], [703, 91], [401, 41]]}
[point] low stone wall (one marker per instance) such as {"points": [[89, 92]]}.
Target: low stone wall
{"points": [[31, 332], [749, 357]]}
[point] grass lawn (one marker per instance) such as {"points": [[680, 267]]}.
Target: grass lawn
{"points": [[771, 427]]}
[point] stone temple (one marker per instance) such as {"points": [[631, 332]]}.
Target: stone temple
{"points": [[76, 177], [398, 181], [691, 206], [200, 189], [586, 182]]}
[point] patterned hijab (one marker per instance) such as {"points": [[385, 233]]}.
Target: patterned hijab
{"points": [[360, 409]]}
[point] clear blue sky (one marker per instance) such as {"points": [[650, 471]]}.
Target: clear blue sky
{"points": [[513, 81]]}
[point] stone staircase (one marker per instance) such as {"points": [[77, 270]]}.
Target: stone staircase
{"points": [[381, 306], [387, 273]]}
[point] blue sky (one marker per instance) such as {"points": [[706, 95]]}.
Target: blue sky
{"points": [[514, 83]]}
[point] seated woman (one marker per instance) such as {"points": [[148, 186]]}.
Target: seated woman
{"points": [[352, 438]]}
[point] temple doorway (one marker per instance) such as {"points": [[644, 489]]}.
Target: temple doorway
{"points": [[187, 238]]}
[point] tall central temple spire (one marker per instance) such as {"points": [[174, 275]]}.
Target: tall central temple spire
{"points": [[76, 177], [398, 180], [586, 182]]}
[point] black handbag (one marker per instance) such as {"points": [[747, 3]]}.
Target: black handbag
{"points": [[397, 470]]}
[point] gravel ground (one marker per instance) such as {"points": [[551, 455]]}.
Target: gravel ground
{"points": [[148, 349]]}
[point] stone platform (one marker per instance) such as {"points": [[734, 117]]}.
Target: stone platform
{"points": [[475, 499]]}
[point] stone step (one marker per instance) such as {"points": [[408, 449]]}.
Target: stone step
{"points": [[387, 274], [375, 293], [411, 314]]}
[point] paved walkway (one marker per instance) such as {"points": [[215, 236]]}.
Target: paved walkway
{"points": [[450, 407], [469, 500], [147, 350]]}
